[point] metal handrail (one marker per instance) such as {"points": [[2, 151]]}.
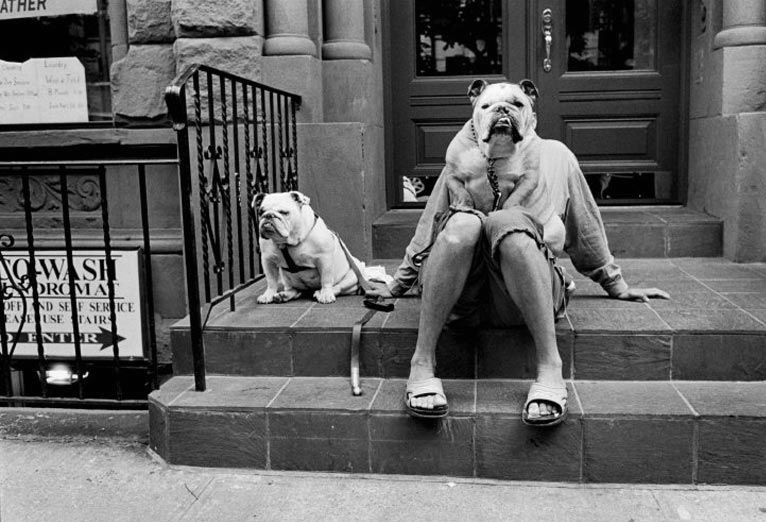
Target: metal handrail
{"points": [[228, 232], [177, 111]]}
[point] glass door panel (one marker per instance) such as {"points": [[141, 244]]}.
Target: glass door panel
{"points": [[458, 37], [611, 35]]}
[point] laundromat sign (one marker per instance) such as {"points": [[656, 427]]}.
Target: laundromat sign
{"points": [[91, 286], [10, 9]]}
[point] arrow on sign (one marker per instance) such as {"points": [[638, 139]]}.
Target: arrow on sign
{"points": [[105, 338]]}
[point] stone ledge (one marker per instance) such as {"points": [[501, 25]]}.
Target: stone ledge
{"points": [[87, 137], [611, 434], [163, 241], [68, 424], [713, 328]]}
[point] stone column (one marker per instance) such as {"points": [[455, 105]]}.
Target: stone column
{"points": [[348, 71], [344, 31], [742, 46], [288, 28], [744, 23], [118, 28], [726, 126], [290, 56]]}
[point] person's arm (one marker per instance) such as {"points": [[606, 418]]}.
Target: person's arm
{"points": [[587, 245], [406, 274]]}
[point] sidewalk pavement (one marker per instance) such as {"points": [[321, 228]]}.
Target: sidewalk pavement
{"points": [[94, 480]]}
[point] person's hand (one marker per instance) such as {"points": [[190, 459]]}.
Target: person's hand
{"points": [[378, 290], [642, 294]]}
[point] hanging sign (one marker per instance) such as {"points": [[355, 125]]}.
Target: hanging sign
{"points": [[11, 9], [43, 90], [93, 305]]}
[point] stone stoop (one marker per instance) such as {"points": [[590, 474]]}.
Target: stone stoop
{"points": [[713, 328], [616, 431], [665, 392], [632, 232]]}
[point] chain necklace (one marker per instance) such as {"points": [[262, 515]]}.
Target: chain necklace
{"points": [[491, 174]]}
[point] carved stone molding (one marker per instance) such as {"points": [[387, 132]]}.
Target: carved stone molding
{"points": [[45, 194]]}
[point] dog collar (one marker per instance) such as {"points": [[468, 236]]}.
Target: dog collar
{"points": [[316, 218], [291, 266]]}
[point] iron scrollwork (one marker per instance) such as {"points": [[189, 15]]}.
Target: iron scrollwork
{"points": [[11, 285]]}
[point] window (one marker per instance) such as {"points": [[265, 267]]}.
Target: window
{"points": [[611, 35], [458, 37], [84, 36]]}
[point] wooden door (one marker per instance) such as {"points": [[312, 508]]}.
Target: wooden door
{"points": [[611, 92]]}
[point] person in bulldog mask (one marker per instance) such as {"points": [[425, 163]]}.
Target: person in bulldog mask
{"points": [[484, 252]]}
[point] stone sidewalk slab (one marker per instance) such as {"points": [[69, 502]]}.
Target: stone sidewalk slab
{"points": [[123, 483]]}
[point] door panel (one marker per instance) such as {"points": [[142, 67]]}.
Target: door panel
{"points": [[437, 47], [612, 92]]}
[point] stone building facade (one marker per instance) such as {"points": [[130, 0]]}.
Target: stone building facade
{"points": [[332, 53], [338, 55], [727, 122]]}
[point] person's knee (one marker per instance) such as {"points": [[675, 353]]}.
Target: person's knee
{"points": [[505, 217], [462, 230], [517, 245]]}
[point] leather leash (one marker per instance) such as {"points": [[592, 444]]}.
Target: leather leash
{"points": [[375, 305]]}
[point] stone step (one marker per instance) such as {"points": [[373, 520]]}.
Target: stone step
{"points": [[714, 328], [616, 431], [632, 232]]}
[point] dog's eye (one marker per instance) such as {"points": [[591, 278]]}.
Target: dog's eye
{"points": [[518, 104], [485, 106], [284, 212]]}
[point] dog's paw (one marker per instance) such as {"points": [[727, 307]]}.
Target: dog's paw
{"points": [[287, 295], [269, 296], [325, 296]]}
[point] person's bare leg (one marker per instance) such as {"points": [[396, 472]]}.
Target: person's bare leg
{"points": [[527, 277], [448, 266]]}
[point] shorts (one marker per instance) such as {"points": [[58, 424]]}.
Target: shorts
{"points": [[485, 299]]}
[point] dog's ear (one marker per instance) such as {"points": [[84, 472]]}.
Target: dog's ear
{"points": [[300, 197], [257, 200], [475, 89], [530, 90]]}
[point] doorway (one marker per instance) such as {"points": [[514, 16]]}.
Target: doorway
{"points": [[609, 74]]}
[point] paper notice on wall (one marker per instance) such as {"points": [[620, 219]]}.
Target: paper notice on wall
{"points": [[43, 90], [10, 9], [18, 93]]}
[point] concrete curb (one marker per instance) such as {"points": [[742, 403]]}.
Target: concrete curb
{"points": [[55, 423]]}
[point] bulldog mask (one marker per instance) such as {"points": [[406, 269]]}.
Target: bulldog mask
{"points": [[502, 115], [298, 252], [493, 162]]}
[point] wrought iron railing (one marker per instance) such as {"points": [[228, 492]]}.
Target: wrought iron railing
{"points": [[61, 341], [236, 138]]}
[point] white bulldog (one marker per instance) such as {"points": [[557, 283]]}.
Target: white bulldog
{"points": [[298, 251]]}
